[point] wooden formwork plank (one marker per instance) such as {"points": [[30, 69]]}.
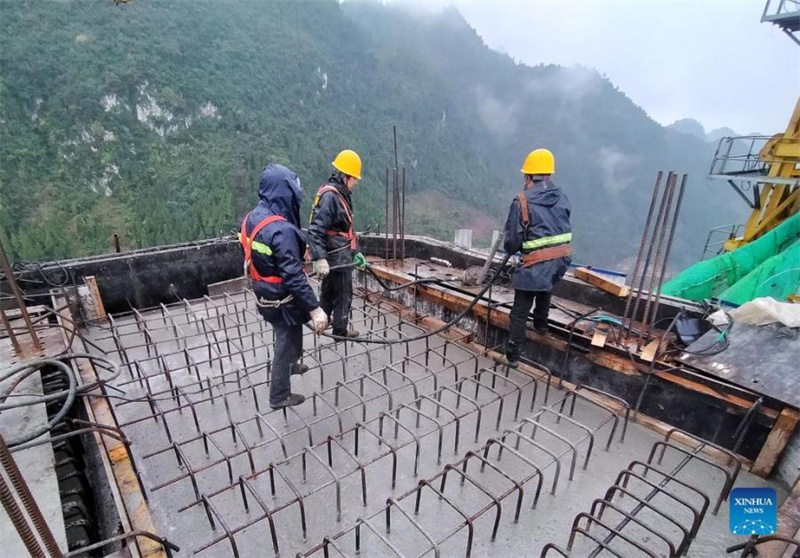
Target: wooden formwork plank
{"points": [[779, 436], [601, 282], [97, 300]]}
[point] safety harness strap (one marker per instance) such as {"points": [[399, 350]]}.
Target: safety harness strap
{"points": [[349, 234], [545, 254], [250, 245], [523, 208]]}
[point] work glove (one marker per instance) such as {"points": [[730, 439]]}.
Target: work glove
{"points": [[319, 320], [359, 260], [321, 268]]}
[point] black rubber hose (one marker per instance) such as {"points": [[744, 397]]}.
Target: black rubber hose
{"points": [[436, 331], [28, 368]]}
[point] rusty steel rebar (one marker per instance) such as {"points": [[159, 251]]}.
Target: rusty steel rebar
{"points": [[17, 294], [649, 255], [660, 282], [645, 233], [189, 357], [11, 469], [19, 521], [658, 262]]}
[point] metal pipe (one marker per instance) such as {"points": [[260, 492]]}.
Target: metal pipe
{"points": [[490, 259]]}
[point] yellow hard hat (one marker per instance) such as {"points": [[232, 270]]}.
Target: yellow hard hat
{"points": [[539, 161], [348, 162]]}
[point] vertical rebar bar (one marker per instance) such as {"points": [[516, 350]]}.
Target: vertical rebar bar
{"points": [[641, 249], [9, 329], [386, 217], [12, 283], [673, 226], [24, 492], [395, 213], [19, 521], [403, 218], [658, 263], [649, 255]]}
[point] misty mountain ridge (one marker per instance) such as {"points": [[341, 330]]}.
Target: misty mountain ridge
{"points": [[694, 128], [152, 121]]}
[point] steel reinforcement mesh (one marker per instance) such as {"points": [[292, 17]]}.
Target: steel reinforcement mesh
{"points": [[411, 449]]}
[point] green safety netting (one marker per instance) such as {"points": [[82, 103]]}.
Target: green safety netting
{"points": [[769, 266]]}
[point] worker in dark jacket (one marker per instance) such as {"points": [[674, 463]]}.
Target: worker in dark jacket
{"points": [[333, 243], [273, 249], [538, 226]]}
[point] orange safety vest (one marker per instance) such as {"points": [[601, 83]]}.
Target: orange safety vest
{"points": [[349, 235], [247, 244]]}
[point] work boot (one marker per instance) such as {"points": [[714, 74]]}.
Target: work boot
{"points": [[298, 368], [509, 361], [541, 330], [291, 400]]}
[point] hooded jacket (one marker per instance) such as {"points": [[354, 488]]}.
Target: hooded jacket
{"points": [[280, 194], [549, 211], [329, 215]]}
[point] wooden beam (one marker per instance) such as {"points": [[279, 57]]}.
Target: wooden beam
{"points": [[602, 282], [778, 437], [97, 301]]}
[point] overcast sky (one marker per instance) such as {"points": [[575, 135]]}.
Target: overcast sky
{"points": [[711, 61]]}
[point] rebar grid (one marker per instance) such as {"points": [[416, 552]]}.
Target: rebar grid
{"points": [[196, 377], [512, 480], [633, 486], [186, 358]]}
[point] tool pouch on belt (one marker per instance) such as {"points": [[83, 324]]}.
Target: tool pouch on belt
{"points": [[545, 254]]}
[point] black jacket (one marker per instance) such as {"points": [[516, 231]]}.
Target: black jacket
{"points": [[327, 214], [549, 212], [280, 194]]}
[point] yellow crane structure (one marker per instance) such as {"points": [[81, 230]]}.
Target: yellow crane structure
{"points": [[766, 165]]}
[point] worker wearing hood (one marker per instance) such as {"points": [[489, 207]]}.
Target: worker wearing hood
{"points": [[538, 226], [273, 248]]}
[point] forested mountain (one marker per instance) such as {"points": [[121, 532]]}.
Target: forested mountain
{"points": [[152, 120]]}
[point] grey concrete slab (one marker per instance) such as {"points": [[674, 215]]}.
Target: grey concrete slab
{"points": [[206, 425]]}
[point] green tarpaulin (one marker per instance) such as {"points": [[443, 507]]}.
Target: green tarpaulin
{"points": [[769, 266]]}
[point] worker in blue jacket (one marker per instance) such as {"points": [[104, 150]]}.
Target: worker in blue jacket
{"points": [[274, 246], [333, 242], [538, 226]]}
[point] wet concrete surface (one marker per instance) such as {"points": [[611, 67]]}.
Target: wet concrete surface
{"points": [[204, 364]]}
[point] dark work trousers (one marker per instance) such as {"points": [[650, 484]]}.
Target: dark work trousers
{"points": [[286, 351], [336, 297], [523, 300]]}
